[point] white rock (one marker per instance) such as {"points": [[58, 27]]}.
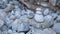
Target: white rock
{"points": [[38, 9], [39, 12], [39, 18], [56, 28], [44, 4], [48, 31], [46, 11]]}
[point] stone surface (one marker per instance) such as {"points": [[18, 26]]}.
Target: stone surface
{"points": [[1, 23], [48, 21], [56, 28], [53, 2], [39, 18], [46, 11], [48, 31]]}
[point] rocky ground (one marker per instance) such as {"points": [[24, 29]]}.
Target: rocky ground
{"points": [[16, 18]]}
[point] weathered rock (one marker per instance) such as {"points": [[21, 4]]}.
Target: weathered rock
{"points": [[56, 28], [39, 18]]}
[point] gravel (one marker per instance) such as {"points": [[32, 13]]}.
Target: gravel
{"points": [[16, 18]]}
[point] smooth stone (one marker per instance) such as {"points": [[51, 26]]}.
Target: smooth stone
{"points": [[12, 17], [44, 4], [39, 18], [56, 28], [39, 12], [48, 31], [46, 11], [38, 9]]}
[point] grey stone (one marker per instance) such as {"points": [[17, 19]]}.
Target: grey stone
{"points": [[53, 2], [22, 33], [46, 11], [1, 23], [48, 21], [48, 31], [39, 18], [58, 19], [35, 31], [20, 26], [56, 28], [44, 4]]}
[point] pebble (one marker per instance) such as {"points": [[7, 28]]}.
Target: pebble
{"points": [[39, 18], [58, 19], [56, 28], [46, 11], [44, 4]]}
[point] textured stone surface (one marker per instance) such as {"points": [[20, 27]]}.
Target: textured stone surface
{"points": [[56, 28], [39, 18]]}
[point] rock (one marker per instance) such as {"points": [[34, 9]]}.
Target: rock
{"points": [[54, 15], [53, 2], [12, 17], [46, 11], [10, 31], [39, 18], [24, 19], [35, 31], [20, 26], [38, 9], [22, 33], [48, 21], [39, 12], [56, 28], [30, 14], [44, 4], [58, 19], [48, 31], [23, 27], [1, 23], [33, 23]]}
